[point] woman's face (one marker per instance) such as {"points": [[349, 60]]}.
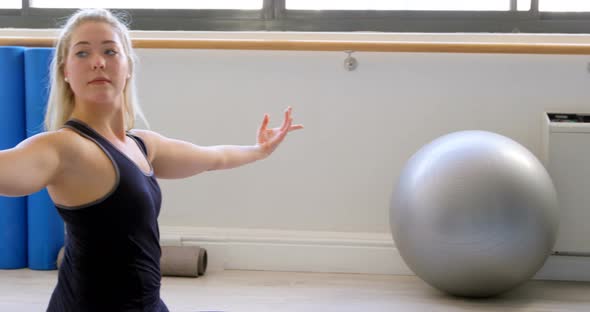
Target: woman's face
{"points": [[96, 67]]}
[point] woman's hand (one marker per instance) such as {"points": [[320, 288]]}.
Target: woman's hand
{"points": [[269, 139], [175, 159]]}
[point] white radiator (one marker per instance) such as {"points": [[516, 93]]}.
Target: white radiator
{"points": [[566, 141]]}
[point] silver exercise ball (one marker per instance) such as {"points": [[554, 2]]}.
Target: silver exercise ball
{"points": [[474, 214]]}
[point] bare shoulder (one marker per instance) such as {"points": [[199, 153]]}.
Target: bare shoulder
{"points": [[65, 139], [57, 139], [50, 148], [66, 142], [145, 134], [151, 139]]}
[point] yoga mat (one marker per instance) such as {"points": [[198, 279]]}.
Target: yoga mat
{"points": [[45, 227], [13, 212], [186, 261]]}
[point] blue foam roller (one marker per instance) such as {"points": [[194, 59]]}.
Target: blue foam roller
{"points": [[45, 227], [13, 212]]}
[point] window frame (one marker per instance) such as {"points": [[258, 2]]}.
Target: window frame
{"points": [[274, 17]]}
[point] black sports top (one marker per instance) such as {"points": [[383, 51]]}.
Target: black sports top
{"points": [[112, 251]]}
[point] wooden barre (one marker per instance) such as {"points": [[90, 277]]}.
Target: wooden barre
{"points": [[332, 45]]}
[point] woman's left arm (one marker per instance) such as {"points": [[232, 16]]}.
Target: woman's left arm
{"points": [[175, 159]]}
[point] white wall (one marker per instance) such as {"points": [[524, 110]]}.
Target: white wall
{"points": [[338, 173], [321, 202]]}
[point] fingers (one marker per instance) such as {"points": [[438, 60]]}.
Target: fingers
{"points": [[264, 124], [285, 128], [287, 120], [295, 127], [283, 132], [287, 125], [290, 116], [276, 135]]}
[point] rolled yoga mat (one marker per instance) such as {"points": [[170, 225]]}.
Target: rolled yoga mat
{"points": [[13, 212], [189, 261], [45, 227], [185, 261]]}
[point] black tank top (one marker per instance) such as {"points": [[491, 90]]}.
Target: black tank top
{"points": [[112, 251]]}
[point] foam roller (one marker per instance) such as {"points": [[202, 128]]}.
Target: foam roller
{"points": [[189, 261], [13, 210], [45, 227], [186, 261]]}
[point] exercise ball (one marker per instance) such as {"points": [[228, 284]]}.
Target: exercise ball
{"points": [[474, 214]]}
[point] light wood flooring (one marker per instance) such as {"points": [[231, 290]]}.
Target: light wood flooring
{"points": [[25, 290]]}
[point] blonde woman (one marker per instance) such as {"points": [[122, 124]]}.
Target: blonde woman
{"points": [[101, 173]]}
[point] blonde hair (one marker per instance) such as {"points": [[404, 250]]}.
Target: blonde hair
{"points": [[61, 98]]}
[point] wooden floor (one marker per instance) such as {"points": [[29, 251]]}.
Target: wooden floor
{"points": [[25, 290]]}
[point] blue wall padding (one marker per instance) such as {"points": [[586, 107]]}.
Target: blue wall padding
{"points": [[13, 212], [45, 227]]}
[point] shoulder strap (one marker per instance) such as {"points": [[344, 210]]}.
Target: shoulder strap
{"points": [[140, 142]]}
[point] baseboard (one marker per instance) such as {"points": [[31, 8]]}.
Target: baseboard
{"points": [[334, 252], [565, 268], [307, 251]]}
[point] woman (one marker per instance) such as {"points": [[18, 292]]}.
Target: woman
{"points": [[101, 173]]}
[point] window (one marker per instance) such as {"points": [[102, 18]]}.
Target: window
{"points": [[564, 5], [416, 5], [145, 4], [488, 16], [11, 4], [523, 5]]}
